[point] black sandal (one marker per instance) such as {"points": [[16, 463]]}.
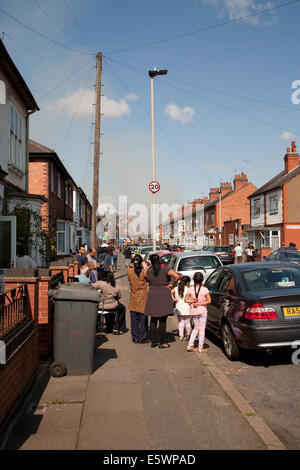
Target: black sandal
{"points": [[164, 346]]}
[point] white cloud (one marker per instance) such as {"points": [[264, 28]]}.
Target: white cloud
{"points": [[286, 135], [81, 103], [184, 115], [239, 8]]}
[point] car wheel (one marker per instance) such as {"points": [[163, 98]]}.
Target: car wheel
{"points": [[230, 345]]}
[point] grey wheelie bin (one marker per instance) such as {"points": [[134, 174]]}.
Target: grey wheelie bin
{"points": [[75, 319]]}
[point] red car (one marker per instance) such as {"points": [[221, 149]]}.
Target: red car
{"points": [[165, 257]]}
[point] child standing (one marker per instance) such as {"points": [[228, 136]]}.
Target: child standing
{"points": [[182, 309], [198, 297]]}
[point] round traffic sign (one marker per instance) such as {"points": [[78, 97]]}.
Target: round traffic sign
{"points": [[154, 187]]}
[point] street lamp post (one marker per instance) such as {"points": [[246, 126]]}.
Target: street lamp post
{"points": [[152, 74]]}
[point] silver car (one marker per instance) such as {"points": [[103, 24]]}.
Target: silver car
{"points": [[188, 263], [147, 249]]}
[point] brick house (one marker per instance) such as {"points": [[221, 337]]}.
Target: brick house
{"points": [[228, 207], [48, 175], [17, 206], [275, 215], [82, 213]]}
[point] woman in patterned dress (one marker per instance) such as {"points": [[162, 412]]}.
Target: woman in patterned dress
{"points": [[137, 276]]}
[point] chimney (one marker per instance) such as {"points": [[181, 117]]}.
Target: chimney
{"points": [[225, 188], [214, 193], [291, 159], [239, 181]]}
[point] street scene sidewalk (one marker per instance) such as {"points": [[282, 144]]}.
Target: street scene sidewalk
{"points": [[137, 398]]}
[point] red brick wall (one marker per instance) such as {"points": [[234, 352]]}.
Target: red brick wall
{"points": [[235, 206], [16, 374]]}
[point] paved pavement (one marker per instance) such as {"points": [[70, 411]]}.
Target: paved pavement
{"points": [[140, 398]]}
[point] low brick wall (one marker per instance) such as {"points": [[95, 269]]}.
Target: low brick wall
{"points": [[17, 375]]}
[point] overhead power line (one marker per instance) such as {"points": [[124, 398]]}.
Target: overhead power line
{"points": [[43, 35], [76, 110], [157, 125], [65, 80], [230, 108], [143, 72], [77, 22], [206, 28], [53, 20]]}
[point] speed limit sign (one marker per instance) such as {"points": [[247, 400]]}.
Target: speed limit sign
{"points": [[154, 187]]}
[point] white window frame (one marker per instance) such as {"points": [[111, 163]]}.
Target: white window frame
{"points": [[17, 146], [256, 205], [272, 199], [59, 232]]}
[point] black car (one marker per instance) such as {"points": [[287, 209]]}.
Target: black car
{"points": [[255, 306], [293, 256], [225, 253]]}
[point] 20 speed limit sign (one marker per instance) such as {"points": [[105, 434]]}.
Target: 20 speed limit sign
{"points": [[154, 187]]}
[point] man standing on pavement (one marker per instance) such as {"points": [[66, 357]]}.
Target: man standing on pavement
{"points": [[81, 258], [238, 253]]}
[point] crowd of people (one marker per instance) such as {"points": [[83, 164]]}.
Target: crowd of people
{"points": [[155, 293]]}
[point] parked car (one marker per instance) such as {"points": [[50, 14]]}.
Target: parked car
{"points": [[255, 306], [187, 263], [160, 253], [206, 247], [165, 257], [292, 256], [225, 253], [147, 249]]}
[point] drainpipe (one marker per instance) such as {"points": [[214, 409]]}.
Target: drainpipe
{"points": [[27, 148]]}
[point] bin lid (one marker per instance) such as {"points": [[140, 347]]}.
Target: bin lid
{"points": [[76, 291]]}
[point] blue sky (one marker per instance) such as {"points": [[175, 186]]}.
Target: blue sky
{"points": [[203, 137]]}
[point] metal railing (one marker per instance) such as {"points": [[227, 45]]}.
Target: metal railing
{"points": [[13, 308]]}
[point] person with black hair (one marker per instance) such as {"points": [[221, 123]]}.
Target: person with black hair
{"points": [[198, 297], [116, 318], [137, 277], [159, 301], [182, 309]]}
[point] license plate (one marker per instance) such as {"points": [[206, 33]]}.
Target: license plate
{"points": [[291, 311], [223, 255]]}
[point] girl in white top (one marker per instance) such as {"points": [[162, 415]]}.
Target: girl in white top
{"points": [[182, 309], [198, 297]]}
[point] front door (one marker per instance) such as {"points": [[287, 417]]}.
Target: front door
{"points": [[8, 230]]}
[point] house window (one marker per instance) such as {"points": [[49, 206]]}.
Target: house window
{"points": [[273, 204], [61, 237], [256, 208], [16, 144], [59, 186]]}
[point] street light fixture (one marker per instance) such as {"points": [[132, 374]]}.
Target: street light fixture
{"points": [[152, 74]]}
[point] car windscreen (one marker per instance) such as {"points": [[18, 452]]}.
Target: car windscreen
{"points": [[222, 249], [192, 263], [292, 255], [272, 278], [148, 249]]}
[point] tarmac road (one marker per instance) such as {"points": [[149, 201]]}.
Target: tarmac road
{"points": [[152, 399]]}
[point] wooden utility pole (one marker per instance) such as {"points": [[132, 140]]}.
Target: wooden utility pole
{"points": [[96, 151]]}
